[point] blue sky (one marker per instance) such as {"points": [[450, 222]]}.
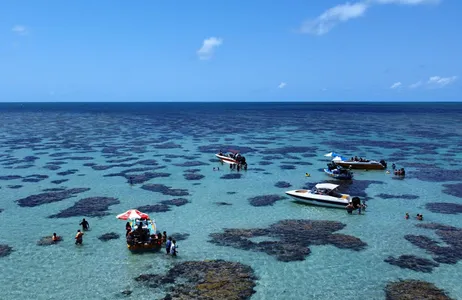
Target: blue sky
{"points": [[318, 50]]}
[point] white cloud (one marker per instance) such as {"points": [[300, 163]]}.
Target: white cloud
{"points": [[347, 11], [208, 47], [415, 85], [282, 85], [395, 85], [437, 81], [20, 29], [331, 17]]}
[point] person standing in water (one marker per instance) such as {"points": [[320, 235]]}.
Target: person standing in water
{"points": [[79, 237], [85, 225], [173, 248], [168, 245]]}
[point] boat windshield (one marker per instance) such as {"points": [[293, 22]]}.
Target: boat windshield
{"points": [[335, 194]]}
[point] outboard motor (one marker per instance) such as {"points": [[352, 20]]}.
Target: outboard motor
{"points": [[383, 163]]}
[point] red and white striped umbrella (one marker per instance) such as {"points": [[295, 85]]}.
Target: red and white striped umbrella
{"points": [[132, 214]]}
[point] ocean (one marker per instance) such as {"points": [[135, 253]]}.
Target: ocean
{"points": [[61, 162]]}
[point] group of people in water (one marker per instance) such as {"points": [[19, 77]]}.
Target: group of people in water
{"points": [[418, 217], [78, 237], [398, 172], [356, 205]]}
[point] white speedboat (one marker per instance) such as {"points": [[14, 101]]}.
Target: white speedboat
{"points": [[322, 194], [233, 158]]}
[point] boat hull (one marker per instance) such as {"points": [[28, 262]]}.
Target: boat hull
{"points": [[338, 176], [226, 159], [144, 247], [337, 203], [360, 165]]}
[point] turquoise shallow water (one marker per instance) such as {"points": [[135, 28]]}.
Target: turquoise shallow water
{"points": [[101, 270]]}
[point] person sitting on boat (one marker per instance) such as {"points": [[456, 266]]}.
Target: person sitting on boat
{"points": [[128, 228], [220, 153]]}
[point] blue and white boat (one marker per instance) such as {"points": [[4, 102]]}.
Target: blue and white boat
{"points": [[338, 172]]}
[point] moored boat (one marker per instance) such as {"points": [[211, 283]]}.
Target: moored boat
{"points": [[338, 172], [322, 194], [142, 234], [232, 158], [357, 163]]}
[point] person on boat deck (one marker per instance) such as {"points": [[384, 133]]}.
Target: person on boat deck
{"points": [[168, 245], [128, 227], [173, 248], [55, 238], [79, 237], [84, 224], [221, 153]]}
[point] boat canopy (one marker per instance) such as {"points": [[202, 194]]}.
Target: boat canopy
{"points": [[327, 186], [331, 154], [339, 158]]}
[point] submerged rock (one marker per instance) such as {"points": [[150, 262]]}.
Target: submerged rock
{"points": [[88, 207], [414, 289], [68, 172], [282, 184], [214, 279], [48, 240], [453, 189], [293, 237], [179, 236], [49, 197], [222, 203], [287, 167], [59, 181], [404, 196], [176, 201], [412, 262], [158, 208], [265, 200], [160, 188], [5, 250], [109, 236], [191, 164], [444, 208], [193, 176], [15, 186], [231, 176]]}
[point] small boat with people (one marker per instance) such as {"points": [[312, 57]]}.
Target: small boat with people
{"points": [[322, 194], [141, 232], [338, 172], [357, 162], [234, 158]]}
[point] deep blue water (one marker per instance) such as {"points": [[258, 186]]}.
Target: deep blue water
{"points": [[74, 160]]}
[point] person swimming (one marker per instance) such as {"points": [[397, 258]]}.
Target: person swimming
{"points": [[79, 237], [85, 225], [406, 216], [55, 238]]}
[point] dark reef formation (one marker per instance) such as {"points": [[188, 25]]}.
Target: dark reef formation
{"points": [[414, 290], [444, 208], [109, 236], [213, 279], [293, 238], [88, 207], [5, 250], [49, 197], [450, 253], [412, 262]]}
